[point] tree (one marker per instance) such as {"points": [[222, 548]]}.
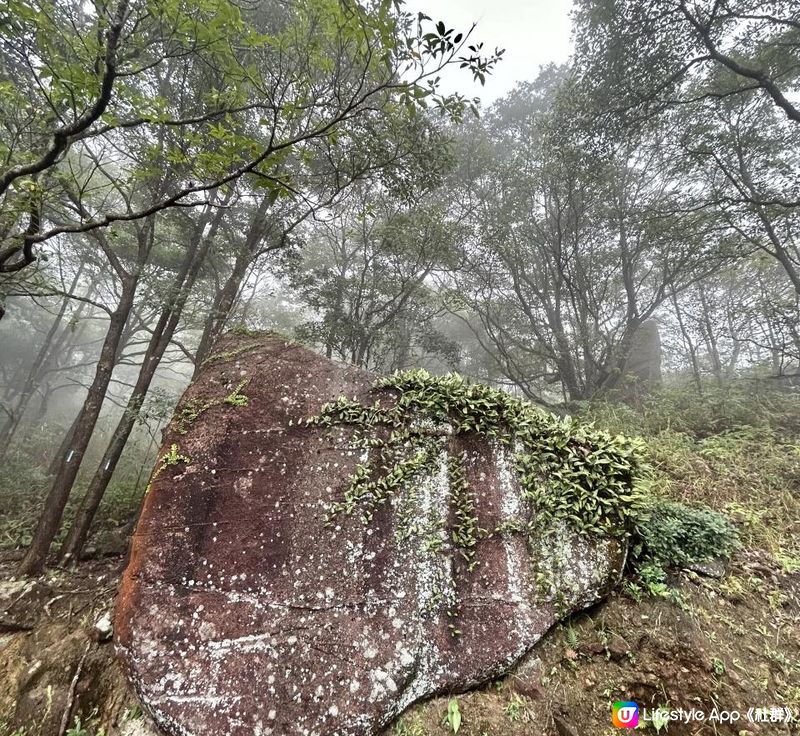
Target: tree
{"points": [[199, 242], [642, 58], [571, 253], [78, 78], [740, 319], [265, 98], [745, 156], [129, 271], [52, 344], [367, 276]]}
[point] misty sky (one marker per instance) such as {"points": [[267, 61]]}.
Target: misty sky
{"points": [[533, 32]]}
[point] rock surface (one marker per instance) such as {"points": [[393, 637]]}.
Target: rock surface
{"points": [[242, 612]]}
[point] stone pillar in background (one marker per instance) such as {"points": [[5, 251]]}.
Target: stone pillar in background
{"points": [[643, 368]]}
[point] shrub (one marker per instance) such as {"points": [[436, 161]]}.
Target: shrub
{"points": [[672, 534], [734, 449]]}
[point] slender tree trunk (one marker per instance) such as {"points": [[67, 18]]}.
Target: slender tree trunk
{"points": [[361, 347], [60, 349], [63, 448], [225, 298], [333, 319], [34, 372], [159, 341], [687, 339], [730, 369], [711, 340], [402, 349], [69, 463], [66, 442], [778, 251], [776, 353]]}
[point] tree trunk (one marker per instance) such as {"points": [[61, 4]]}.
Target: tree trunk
{"points": [[333, 318], [159, 341], [59, 351], [778, 251], [63, 448], [225, 298], [69, 463], [710, 338], [687, 340]]}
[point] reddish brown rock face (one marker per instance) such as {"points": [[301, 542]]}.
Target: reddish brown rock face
{"points": [[242, 613]]}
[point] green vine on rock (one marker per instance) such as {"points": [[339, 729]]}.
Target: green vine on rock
{"points": [[188, 413], [228, 355], [172, 457], [191, 410], [566, 469], [236, 397], [465, 533], [366, 493]]}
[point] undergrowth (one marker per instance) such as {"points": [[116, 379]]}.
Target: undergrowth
{"points": [[735, 450], [24, 482], [674, 535]]}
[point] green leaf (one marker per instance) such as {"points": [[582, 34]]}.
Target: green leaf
{"points": [[453, 715]]}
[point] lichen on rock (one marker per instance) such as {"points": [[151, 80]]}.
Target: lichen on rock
{"points": [[323, 562]]}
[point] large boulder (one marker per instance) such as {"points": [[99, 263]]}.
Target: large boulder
{"points": [[264, 597]]}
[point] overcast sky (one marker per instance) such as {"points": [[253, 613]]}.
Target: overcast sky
{"points": [[533, 32]]}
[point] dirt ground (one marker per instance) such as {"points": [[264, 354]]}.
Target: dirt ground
{"points": [[731, 643], [58, 673]]}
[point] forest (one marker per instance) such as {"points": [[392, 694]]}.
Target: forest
{"points": [[616, 239]]}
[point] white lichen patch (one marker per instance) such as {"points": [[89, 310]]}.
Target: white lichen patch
{"points": [[576, 566], [434, 574], [511, 504]]}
